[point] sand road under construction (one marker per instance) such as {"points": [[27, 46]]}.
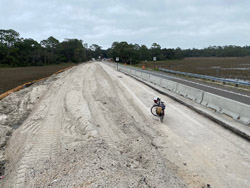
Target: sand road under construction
{"points": [[92, 127]]}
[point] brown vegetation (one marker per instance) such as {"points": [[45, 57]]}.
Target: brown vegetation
{"points": [[13, 77], [230, 67]]}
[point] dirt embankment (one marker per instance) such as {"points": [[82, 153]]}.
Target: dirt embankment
{"points": [[86, 130], [14, 109], [92, 128]]}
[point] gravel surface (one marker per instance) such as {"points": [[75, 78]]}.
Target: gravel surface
{"points": [[91, 127]]}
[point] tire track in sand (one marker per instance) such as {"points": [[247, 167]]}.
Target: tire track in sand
{"points": [[44, 146], [42, 129], [110, 134]]}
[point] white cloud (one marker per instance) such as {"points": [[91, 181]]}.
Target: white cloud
{"points": [[179, 23]]}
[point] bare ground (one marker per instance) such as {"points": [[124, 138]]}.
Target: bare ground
{"points": [[92, 128], [15, 76]]}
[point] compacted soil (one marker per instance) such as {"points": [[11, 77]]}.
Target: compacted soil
{"points": [[91, 126]]}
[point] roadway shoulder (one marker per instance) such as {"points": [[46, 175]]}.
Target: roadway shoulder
{"points": [[221, 119]]}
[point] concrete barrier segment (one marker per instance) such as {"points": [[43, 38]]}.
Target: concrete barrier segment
{"points": [[190, 92], [209, 100], [129, 71], [145, 76], [168, 84], [155, 80], [132, 72], [138, 74], [238, 111], [125, 69]]}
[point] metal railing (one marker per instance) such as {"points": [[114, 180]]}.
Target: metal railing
{"points": [[206, 77], [192, 75]]}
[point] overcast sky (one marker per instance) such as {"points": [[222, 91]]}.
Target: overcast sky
{"points": [[170, 23]]}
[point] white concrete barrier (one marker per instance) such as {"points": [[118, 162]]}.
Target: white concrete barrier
{"points": [[209, 100], [125, 69], [190, 92], [138, 74], [168, 84], [237, 110], [128, 70], [122, 69], [145, 76], [155, 80], [132, 72]]}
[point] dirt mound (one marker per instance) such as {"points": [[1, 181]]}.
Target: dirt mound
{"points": [[83, 130], [92, 127], [14, 109]]}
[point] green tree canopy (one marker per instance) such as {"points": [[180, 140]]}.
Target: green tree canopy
{"points": [[16, 51]]}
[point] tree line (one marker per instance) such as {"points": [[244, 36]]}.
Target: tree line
{"points": [[136, 53], [17, 51]]}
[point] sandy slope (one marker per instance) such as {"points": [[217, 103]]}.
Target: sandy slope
{"points": [[92, 128]]}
